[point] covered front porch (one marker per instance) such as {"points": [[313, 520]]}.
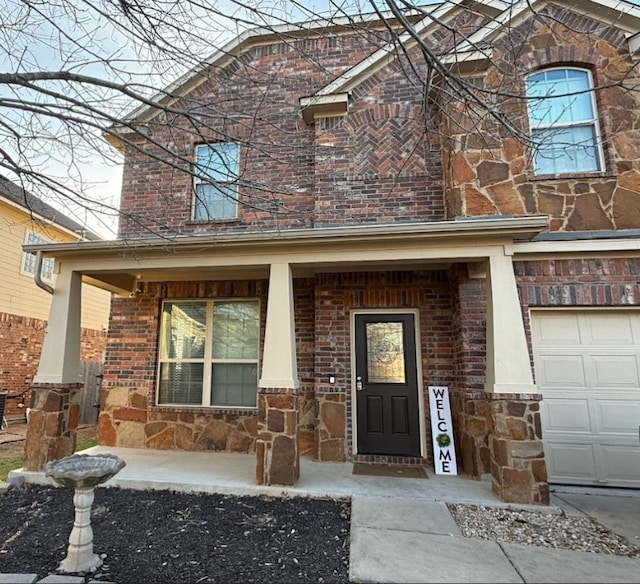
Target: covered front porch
{"points": [[234, 474], [482, 246]]}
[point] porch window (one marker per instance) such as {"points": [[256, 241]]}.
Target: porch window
{"points": [[564, 122], [215, 182], [209, 353]]}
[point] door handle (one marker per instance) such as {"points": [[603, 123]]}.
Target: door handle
{"points": [[360, 388]]}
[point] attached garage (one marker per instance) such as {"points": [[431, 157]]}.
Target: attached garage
{"points": [[587, 366]]}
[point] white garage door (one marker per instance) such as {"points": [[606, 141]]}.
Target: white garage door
{"points": [[588, 369]]}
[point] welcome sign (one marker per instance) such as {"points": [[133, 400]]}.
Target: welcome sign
{"points": [[444, 452]]}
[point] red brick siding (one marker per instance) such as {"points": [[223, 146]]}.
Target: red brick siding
{"points": [[20, 346], [276, 161], [337, 294], [589, 283]]}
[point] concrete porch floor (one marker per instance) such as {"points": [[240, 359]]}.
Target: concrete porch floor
{"points": [[226, 473]]}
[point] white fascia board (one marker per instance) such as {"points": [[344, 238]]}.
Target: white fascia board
{"points": [[317, 100], [467, 57], [323, 106], [192, 78], [382, 56], [433, 229], [577, 248], [621, 11], [508, 15]]}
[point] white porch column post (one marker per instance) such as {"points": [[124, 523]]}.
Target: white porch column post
{"points": [[277, 453], [279, 363], [60, 356], [518, 469], [508, 364], [51, 433]]}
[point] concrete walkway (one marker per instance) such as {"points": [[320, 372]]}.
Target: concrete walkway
{"points": [[401, 529]]}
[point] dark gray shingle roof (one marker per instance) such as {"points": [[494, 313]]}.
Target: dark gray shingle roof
{"points": [[32, 204]]}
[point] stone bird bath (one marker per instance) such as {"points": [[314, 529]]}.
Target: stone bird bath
{"points": [[82, 472]]}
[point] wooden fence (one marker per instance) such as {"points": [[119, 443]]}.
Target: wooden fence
{"points": [[91, 372]]}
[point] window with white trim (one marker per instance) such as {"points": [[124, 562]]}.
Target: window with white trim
{"points": [[29, 259], [215, 181], [563, 120], [209, 353]]}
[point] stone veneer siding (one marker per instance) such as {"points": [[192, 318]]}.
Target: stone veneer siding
{"points": [[277, 452], [518, 470], [52, 424], [487, 171], [130, 418], [502, 434]]}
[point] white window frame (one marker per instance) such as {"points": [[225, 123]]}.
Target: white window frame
{"points": [[207, 360], [28, 263], [590, 123], [229, 184]]}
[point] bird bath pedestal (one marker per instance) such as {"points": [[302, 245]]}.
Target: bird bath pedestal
{"points": [[83, 472]]}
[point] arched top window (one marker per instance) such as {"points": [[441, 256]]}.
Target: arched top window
{"points": [[563, 120]]}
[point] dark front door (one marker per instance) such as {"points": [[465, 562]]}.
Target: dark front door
{"points": [[386, 385]]}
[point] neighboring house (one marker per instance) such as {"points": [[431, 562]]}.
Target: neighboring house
{"points": [[24, 308], [410, 245]]}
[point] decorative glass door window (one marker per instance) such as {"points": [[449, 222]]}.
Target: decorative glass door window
{"points": [[385, 352]]}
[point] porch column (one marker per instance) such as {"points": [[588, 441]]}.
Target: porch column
{"points": [[278, 460], [508, 364], [515, 437], [51, 433]]}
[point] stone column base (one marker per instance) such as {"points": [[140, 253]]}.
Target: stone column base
{"points": [[518, 469], [51, 432], [277, 455]]}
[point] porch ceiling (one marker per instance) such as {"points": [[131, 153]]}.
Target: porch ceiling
{"points": [[119, 265]]}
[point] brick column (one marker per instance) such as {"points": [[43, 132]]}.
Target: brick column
{"points": [[53, 422], [518, 469], [277, 456]]}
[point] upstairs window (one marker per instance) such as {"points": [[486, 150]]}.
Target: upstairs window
{"points": [[563, 122], [29, 259], [209, 353], [215, 182]]}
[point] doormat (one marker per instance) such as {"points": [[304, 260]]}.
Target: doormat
{"points": [[389, 470]]}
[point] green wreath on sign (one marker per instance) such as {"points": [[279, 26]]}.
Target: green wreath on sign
{"points": [[443, 440]]}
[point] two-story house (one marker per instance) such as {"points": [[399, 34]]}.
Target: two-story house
{"points": [[358, 227], [24, 307]]}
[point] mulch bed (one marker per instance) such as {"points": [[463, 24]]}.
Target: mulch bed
{"points": [[164, 536]]}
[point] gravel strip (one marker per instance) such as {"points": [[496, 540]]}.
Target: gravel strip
{"points": [[553, 530]]}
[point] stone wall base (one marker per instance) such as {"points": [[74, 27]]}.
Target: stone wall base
{"points": [[277, 452], [518, 468], [51, 433], [329, 442]]}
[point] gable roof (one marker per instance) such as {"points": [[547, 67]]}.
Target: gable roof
{"points": [[250, 38], [620, 13], [12, 193]]}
